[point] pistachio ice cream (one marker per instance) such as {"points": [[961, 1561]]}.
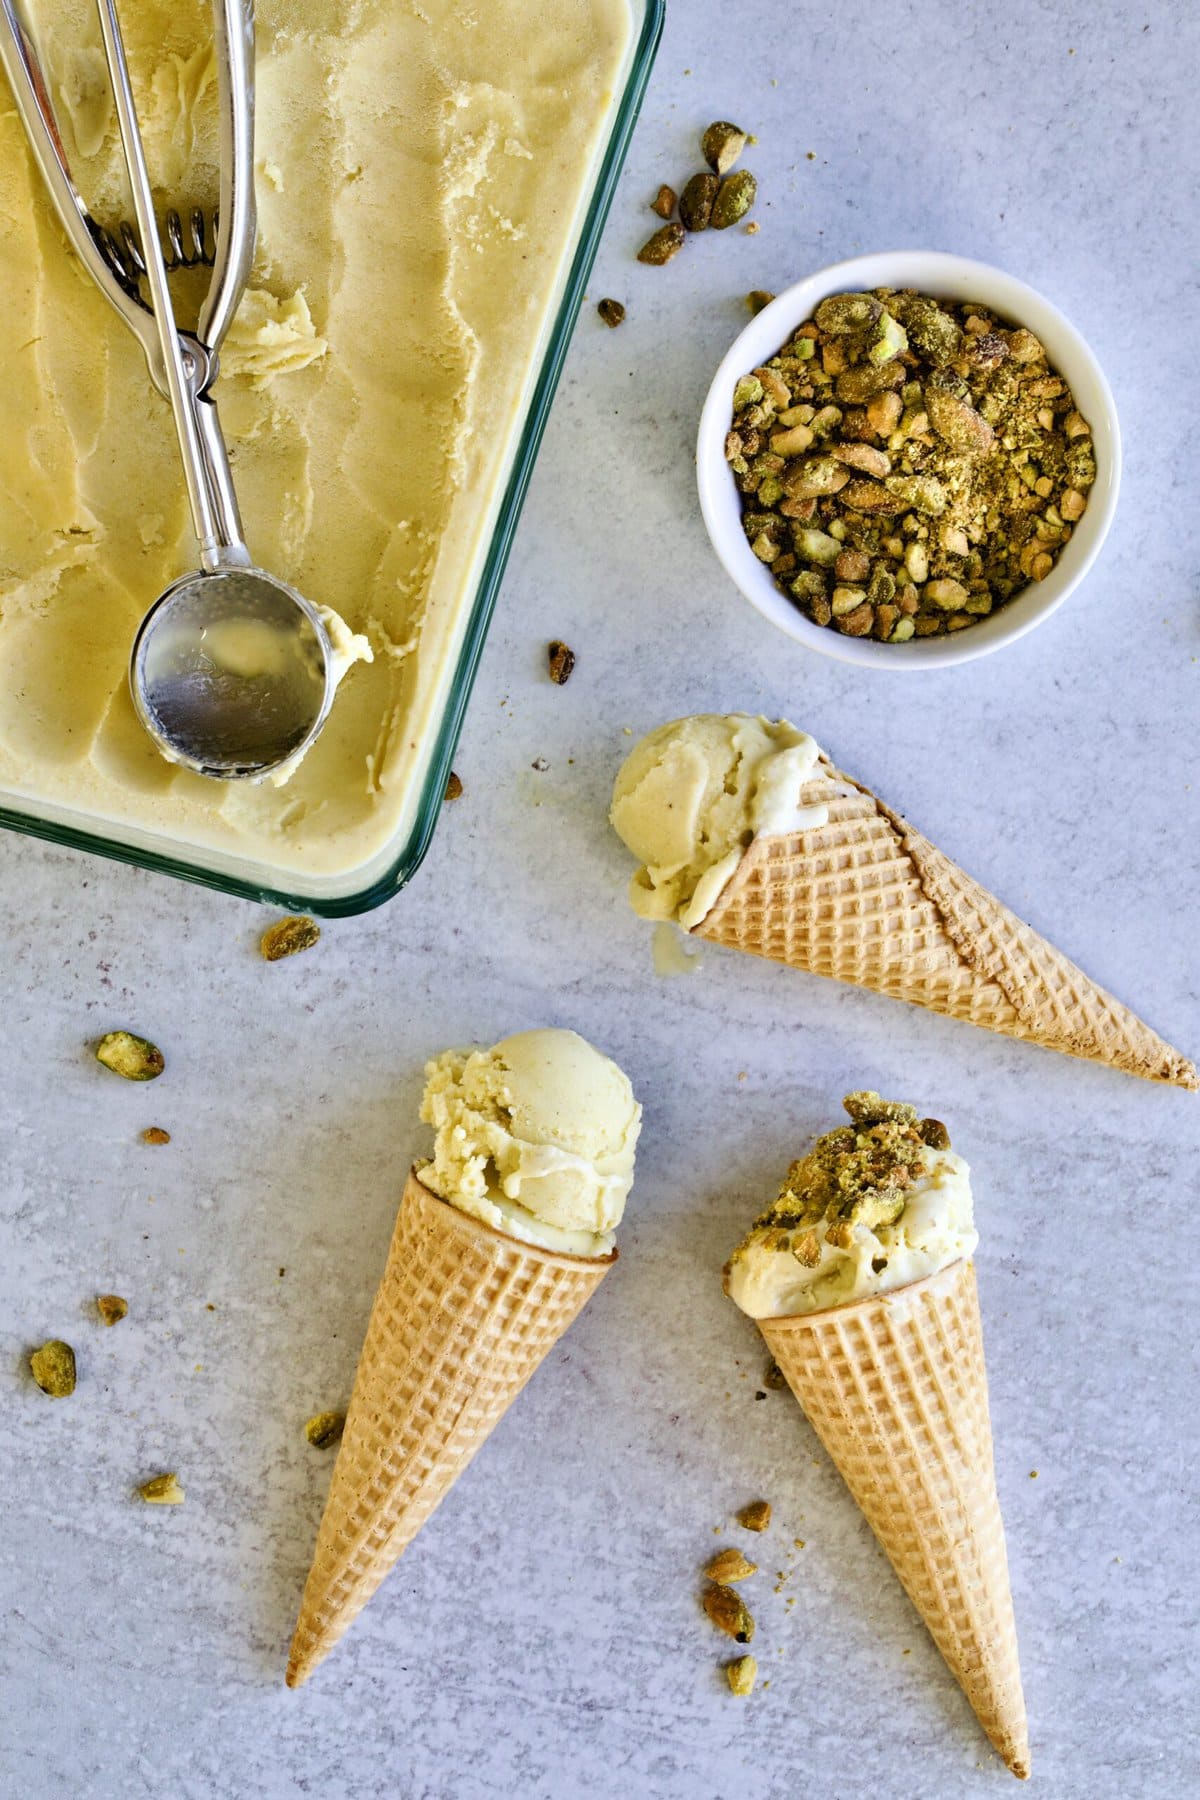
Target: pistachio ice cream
{"points": [[875, 1205], [536, 1137], [420, 172], [692, 796]]}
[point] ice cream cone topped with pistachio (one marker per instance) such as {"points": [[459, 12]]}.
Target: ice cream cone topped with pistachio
{"points": [[747, 835], [860, 1279], [874, 1205]]}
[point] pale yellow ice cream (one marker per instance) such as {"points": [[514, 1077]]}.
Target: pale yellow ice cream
{"points": [[693, 795], [419, 175], [536, 1137], [873, 1207]]}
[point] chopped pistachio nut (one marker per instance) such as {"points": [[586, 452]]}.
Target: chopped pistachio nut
{"points": [[741, 1674], [954, 464], [730, 1565], [756, 1516], [612, 312], [733, 201], [133, 1058], [728, 1611], [154, 1134], [696, 201], [757, 298], [324, 1429], [112, 1308], [562, 662], [722, 144], [664, 202], [665, 243], [856, 1174], [53, 1368], [288, 937], [454, 786], [774, 1376], [162, 1490]]}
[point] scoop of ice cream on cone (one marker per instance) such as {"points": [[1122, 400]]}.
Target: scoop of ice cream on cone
{"points": [[860, 1280], [535, 1137], [749, 837], [500, 1241]]}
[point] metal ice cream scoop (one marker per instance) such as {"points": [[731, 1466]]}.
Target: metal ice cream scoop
{"points": [[231, 670]]}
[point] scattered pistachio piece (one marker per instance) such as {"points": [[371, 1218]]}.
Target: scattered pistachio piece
{"points": [[662, 246], [454, 786], [730, 1565], [722, 144], [133, 1058], [757, 298], [774, 1376], [735, 197], [612, 312], [934, 1133], [664, 202], [562, 662], [728, 1611], [53, 1368], [741, 1674], [696, 202], [162, 1490], [324, 1429], [756, 1516], [112, 1308], [287, 937], [154, 1134]]}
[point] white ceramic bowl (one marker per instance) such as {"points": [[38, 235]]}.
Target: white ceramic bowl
{"points": [[945, 277]]}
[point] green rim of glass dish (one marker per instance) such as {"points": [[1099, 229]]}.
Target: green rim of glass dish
{"points": [[432, 794]]}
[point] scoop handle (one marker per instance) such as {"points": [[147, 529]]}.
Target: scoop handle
{"points": [[187, 366]]}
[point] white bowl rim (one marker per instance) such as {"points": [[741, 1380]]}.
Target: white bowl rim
{"points": [[939, 272]]}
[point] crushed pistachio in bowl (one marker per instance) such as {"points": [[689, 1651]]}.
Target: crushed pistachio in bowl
{"points": [[907, 465], [913, 528]]}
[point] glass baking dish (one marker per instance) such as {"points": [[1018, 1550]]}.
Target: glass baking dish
{"points": [[335, 896]]}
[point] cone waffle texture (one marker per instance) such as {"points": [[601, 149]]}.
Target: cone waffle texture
{"points": [[866, 899], [463, 1317], [895, 1387]]}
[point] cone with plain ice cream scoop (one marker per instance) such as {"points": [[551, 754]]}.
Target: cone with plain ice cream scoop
{"points": [[500, 1240], [749, 837], [860, 1280]]}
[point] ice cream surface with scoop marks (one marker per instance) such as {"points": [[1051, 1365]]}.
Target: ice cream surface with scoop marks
{"points": [[875, 1205], [536, 1137], [693, 795]]}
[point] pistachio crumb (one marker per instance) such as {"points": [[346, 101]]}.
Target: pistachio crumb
{"points": [[454, 786], [324, 1429], [774, 1377], [112, 1308], [612, 312], [664, 202], [662, 245], [287, 937], [722, 144], [756, 1516], [741, 1674], [562, 662], [154, 1134], [53, 1368], [133, 1058], [757, 298], [730, 1565], [728, 1611], [162, 1490]]}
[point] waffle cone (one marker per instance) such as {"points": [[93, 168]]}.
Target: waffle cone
{"points": [[868, 900], [463, 1317], [895, 1387]]}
